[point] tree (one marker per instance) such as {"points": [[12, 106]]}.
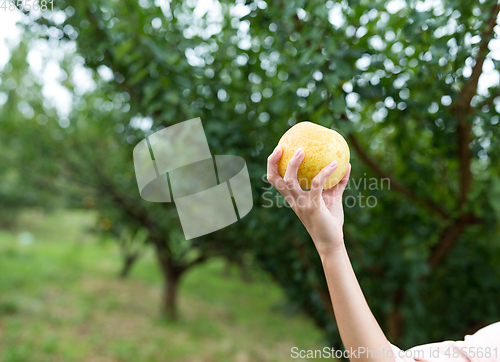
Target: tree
{"points": [[87, 156], [402, 86]]}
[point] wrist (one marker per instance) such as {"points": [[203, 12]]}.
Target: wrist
{"points": [[331, 252]]}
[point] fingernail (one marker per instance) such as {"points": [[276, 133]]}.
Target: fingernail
{"points": [[276, 149], [333, 164], [298, 152]]}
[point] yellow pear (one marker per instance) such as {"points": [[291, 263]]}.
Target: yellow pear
{"points": [[321, 146]]}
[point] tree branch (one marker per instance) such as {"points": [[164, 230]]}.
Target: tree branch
{"points": [[470, 87], [464, 138], [449, 237], [462, 107], [200, 259], [370, 162]]}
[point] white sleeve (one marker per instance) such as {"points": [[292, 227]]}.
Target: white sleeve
{"points": [[482, 346]]}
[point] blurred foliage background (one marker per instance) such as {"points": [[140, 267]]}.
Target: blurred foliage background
{"points": [[414, 88]]}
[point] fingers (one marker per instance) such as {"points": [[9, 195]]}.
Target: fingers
{"points": [[272, 168], [339, 188], [272, 160], [319, 180], [343, 183], [292, 169], [345, 179]]}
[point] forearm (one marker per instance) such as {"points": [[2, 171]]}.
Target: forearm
{"points": [[322, 214], [357, 325]]}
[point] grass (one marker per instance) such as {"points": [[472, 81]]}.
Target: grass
{"points": [[61, 300]]}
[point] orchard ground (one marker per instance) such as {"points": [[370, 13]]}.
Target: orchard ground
{"points": [[61, 300]]}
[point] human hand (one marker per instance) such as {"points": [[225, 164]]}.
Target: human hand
{"points": [[320, 211]]}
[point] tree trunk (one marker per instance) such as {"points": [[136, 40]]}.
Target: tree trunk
{"points": [[395, 318], [244, 272], [169, 308], [226, 272], [128, 262], [171, 275], [172, 272]]}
